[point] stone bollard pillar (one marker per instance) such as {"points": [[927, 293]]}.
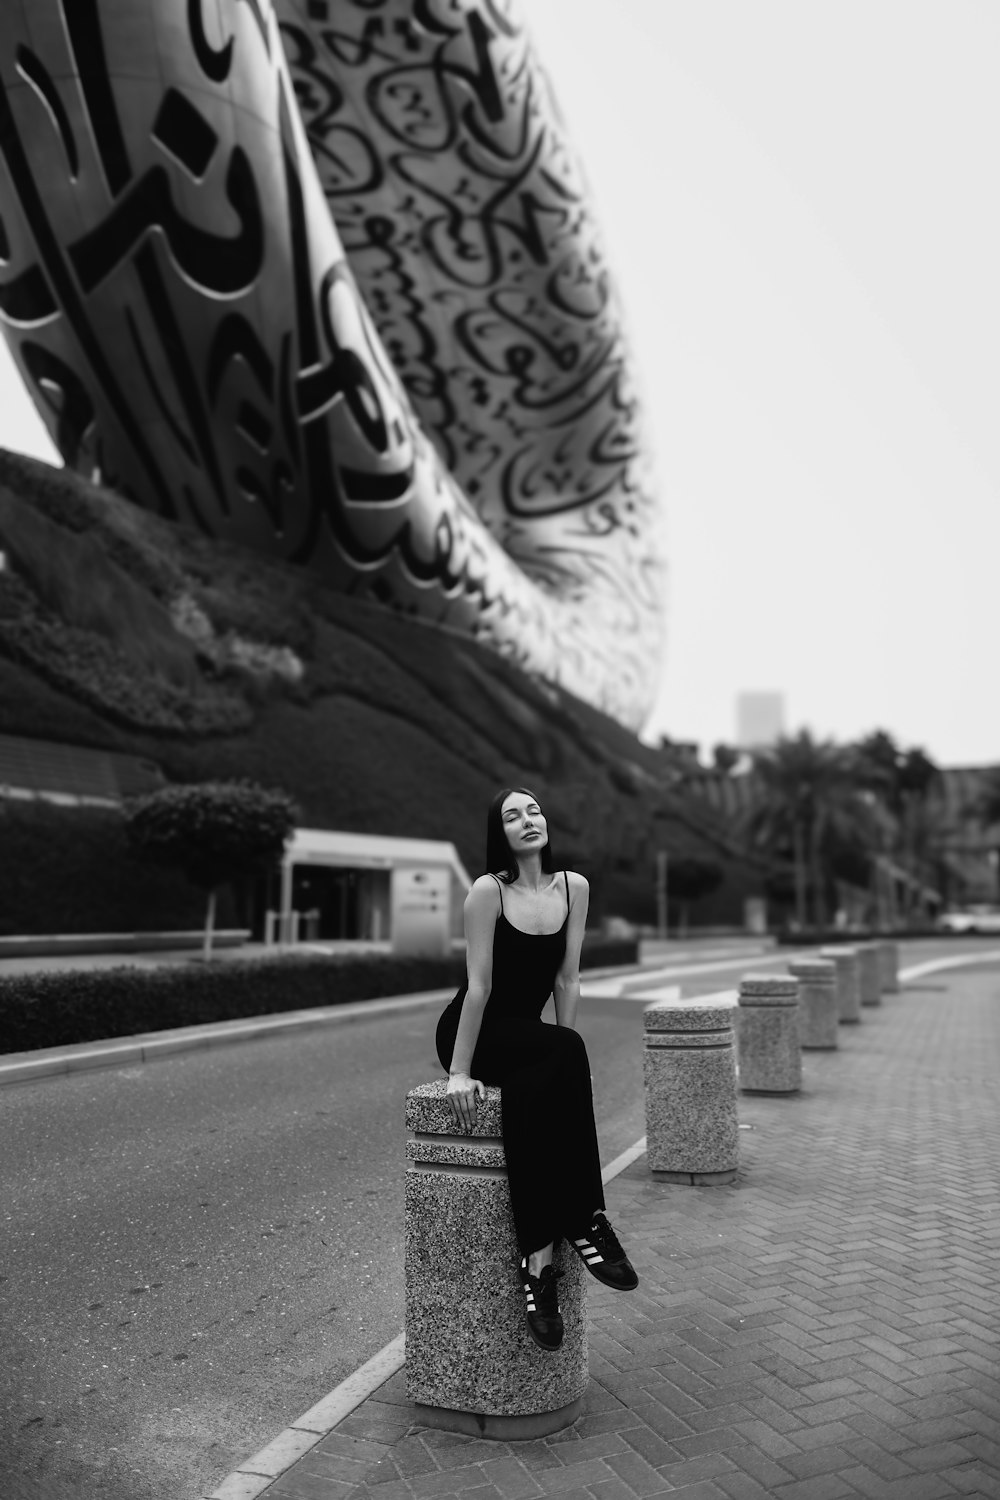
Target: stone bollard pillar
{"points": [[689, 1071], [848, 965], [888, 954], [871, 974], [818, 1008], [471, 1364], [767, 1035]]}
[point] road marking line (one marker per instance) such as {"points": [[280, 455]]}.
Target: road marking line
{"points": [[935, 965], [242, 1487], [634, 986], [328, 1413], [702, 955], [625, 1160], [247, 1482]]}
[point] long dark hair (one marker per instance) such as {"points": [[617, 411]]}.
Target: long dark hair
{"points": [[500, 857]]}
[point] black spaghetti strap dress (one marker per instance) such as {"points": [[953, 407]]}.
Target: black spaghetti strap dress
{"points": [[549, 1134]]}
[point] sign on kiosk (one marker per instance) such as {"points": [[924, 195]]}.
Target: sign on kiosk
{"points": [[421, 910]]}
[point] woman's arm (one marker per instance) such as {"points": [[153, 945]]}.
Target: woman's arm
{"points": [[566, 989], [481, 907]]}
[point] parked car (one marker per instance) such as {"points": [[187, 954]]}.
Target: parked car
{"points": [[972, 919]]}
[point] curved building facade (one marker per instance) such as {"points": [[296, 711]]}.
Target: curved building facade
{"points": [[322, 278]]}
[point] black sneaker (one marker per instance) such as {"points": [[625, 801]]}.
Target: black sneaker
{"points": [[600, 1250], [541, 1309]]}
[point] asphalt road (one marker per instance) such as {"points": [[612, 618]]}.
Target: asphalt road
{"points": [[195, 1251]]}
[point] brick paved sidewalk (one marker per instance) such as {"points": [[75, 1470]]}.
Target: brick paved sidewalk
{"points": [[828, 1326]]}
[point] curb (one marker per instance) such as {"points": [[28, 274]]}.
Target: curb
{"points": [[256, 1473], [254, 1476], [83, 1057], [936, 965]]}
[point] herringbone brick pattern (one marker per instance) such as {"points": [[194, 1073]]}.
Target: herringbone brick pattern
{"points": [[828, 1326]]}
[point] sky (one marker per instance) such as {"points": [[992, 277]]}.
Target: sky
{"points": [[801, 204]]}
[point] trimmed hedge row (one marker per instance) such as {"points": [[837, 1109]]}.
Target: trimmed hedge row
{"points": [[88, 1005], [84, 1005], [69, 870], [608, 953], [811, 937]]}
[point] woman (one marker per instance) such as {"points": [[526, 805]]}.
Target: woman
{"points": [[524, 925]]}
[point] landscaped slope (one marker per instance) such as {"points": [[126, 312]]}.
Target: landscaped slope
{"points": [[121, 631]]}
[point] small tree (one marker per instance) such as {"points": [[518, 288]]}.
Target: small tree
{"points": [[806, 796], [213, 833], [985, 805], [689, 879], [725, 758]]}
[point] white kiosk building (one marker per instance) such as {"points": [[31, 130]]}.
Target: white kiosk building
{"points": [[403, 894]]}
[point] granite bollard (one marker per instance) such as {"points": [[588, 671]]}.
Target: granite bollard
{"points": [[870, 970], [471, 1364], [888, 955], [818, 1009], [848, 966], [689, 1071], [767, 1034]]}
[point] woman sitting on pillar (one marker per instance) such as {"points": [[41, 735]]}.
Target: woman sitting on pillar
{"points": [[492, 1032]]}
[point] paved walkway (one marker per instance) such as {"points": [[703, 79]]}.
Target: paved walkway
{"points": [[828, 1326]]}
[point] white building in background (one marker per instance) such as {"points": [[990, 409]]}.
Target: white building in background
{"points": [[760, 719], [396, 892]]}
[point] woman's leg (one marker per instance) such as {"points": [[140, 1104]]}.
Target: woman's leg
{"points": [[550, 1138]]}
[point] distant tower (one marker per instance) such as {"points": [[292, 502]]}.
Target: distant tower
{"points": [[760, 719]]}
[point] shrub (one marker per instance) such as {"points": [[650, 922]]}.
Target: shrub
{"points": [[69, 870], [32, 707], [258, 614], [608, 953], [77, 582], [142, 545], [98, 673], [86, 1005], [214, 833], [54, 1009], [690, 879]]}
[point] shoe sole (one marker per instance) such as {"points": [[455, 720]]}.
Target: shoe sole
{"points": [[613, 1286], [546, 1348]]}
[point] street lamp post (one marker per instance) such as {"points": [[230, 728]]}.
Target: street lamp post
{"points": [[661, 893]]}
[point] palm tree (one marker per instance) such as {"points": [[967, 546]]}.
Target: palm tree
{"points": [[903, 781], [985, 805], [808, 801], [984, 810]]}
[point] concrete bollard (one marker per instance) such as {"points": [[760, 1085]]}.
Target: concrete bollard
{"points": [[471, 1364], [848, 965], [818, 1008], [767, 1034], [888, 954], [689, 1071], [871, 974]]}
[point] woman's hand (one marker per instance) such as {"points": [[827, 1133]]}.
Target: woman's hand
{"points": [[462, 1092]]}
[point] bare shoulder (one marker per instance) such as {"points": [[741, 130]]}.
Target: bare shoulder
{"points": [[484, 894], [579, 885]]}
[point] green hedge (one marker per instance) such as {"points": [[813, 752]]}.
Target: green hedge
{"points": [[86, 1005], [609, 953], [80, 1005], [69, 869]]}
